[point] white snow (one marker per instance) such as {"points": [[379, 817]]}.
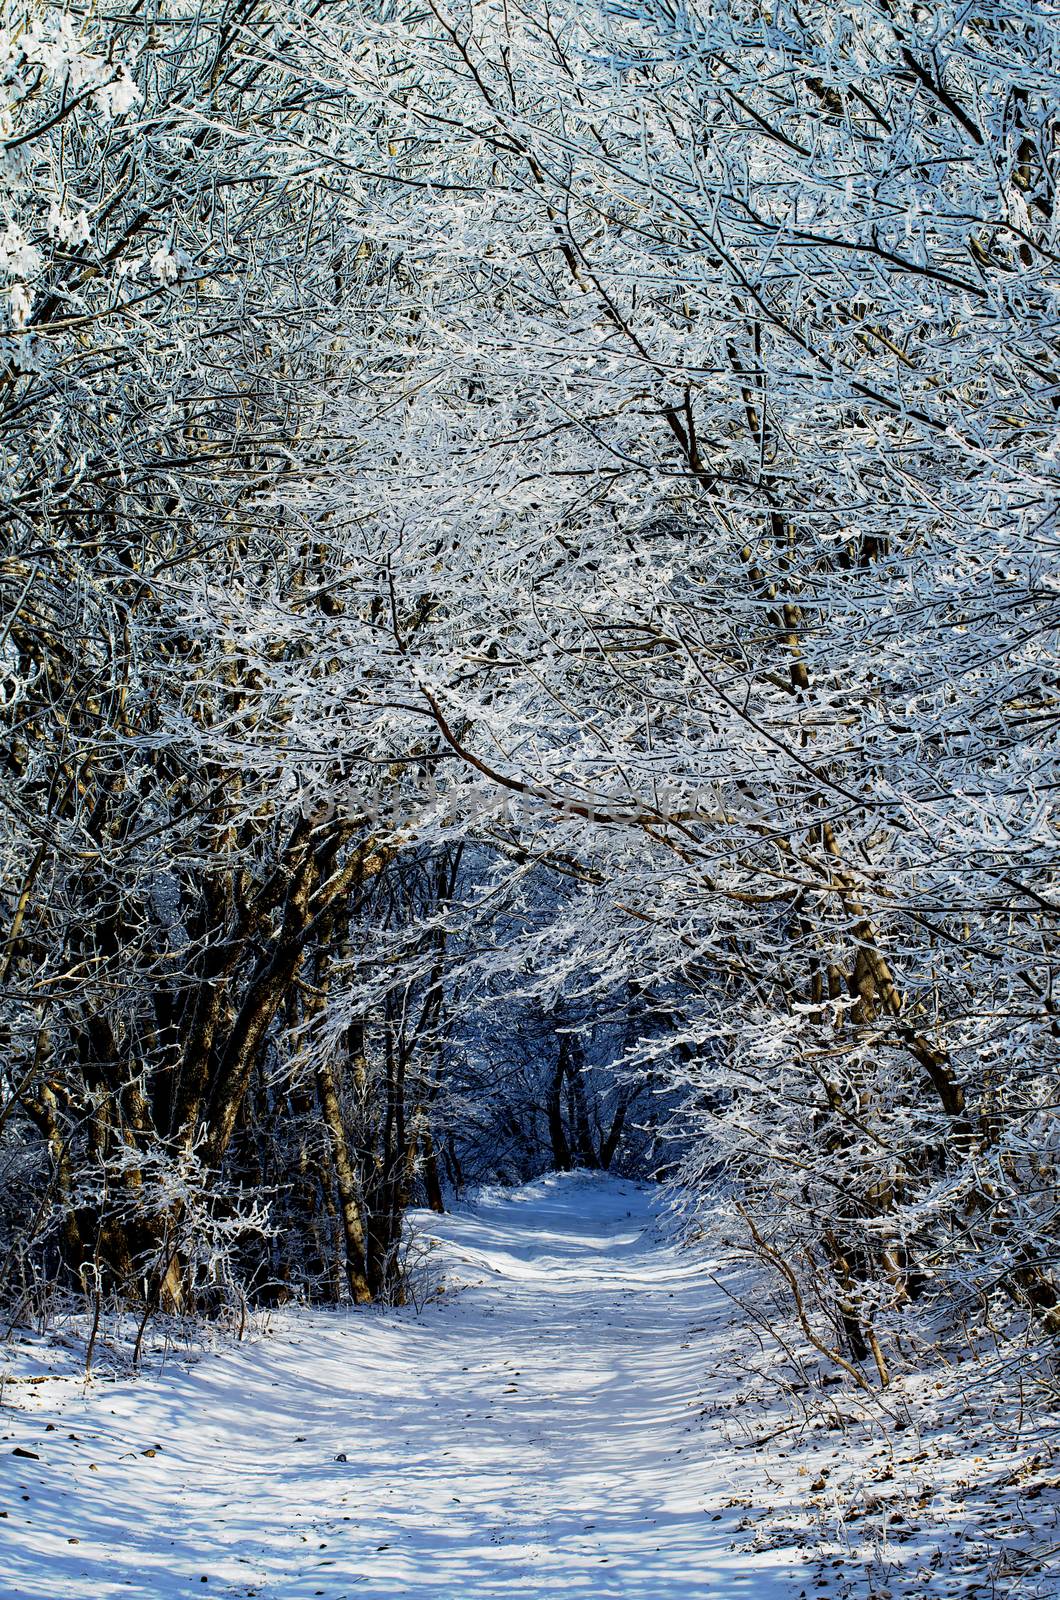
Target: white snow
{"points": [[535, 1429]]}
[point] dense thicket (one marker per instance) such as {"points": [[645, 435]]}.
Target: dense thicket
{"points": [[529, 623]]}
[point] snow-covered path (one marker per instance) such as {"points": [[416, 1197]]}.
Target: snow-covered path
{"points": [[535, 1432]]}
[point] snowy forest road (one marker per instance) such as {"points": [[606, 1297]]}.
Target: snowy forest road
{"points": [[537, 1429]]}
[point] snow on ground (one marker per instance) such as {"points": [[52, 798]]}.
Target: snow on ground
{"points": [[575, 1408], [945, 1485], [535, 1431]]}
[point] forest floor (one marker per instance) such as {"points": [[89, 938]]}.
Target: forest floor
{"points": [[575, 1406]]}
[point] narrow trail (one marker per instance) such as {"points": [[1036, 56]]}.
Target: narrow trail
{"points": [[536, 1430]]}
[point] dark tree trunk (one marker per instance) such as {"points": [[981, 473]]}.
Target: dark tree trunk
{"points": [[561, 1157]]}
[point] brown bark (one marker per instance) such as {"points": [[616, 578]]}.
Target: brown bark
{"points": [[353, 1229], [432, 1182]]}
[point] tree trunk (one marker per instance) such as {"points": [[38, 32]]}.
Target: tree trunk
{"points": [[561, 1158], [353, 1230]]}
